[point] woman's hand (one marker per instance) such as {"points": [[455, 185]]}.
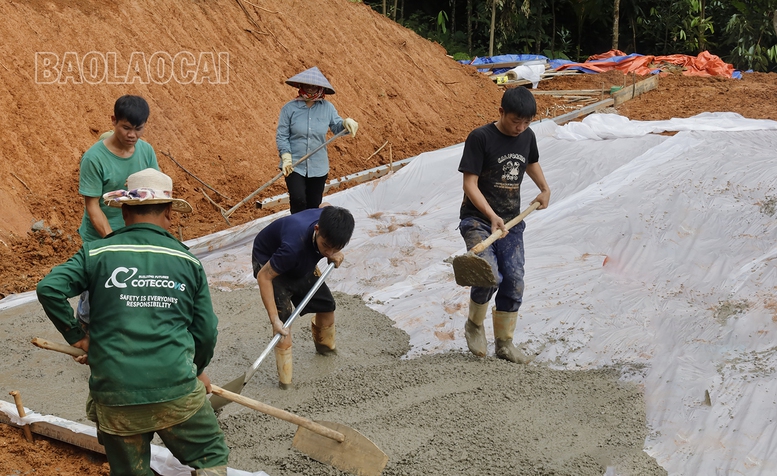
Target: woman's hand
{"points": [[286, 167], [351, 126]]}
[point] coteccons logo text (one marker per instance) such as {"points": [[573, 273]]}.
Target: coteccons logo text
{"points": [[160, 67], [121, 276]]}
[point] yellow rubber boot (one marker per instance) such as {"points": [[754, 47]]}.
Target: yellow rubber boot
{"points": [[323, 338], [504, 326], [473, 329], [283, 363]]}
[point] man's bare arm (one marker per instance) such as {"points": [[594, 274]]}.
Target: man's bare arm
{"points": [[96, 216], [264, 278], [534, 171]]}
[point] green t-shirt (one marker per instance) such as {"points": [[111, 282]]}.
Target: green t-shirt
{"points": [[103, 171]]}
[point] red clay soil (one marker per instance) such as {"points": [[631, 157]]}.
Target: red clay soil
{"points": [[44, 457], [398, 86]]}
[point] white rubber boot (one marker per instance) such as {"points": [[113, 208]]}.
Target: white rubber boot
{"points": [[283, 363], [504, 326], [473, 329]]}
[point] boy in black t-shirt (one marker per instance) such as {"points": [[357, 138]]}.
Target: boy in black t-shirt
{"points": [[494, 160]]}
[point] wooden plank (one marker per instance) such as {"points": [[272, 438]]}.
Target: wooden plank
{"points": [[583, 111], [359, 177], [634, 90], [568, 92], [509, 64]]}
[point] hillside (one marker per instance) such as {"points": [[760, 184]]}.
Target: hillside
{"points": [[400, 87]]}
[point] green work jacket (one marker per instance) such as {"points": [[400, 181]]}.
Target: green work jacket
{"points": [[152, 328]]}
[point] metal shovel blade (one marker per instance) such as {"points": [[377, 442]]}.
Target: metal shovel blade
{"points": [[235, 386], [472, 270], [356, 454]]}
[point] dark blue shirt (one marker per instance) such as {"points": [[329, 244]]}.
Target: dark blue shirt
{"points": [[287, 243]]}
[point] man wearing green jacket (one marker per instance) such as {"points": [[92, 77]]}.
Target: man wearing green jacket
{"points": [[151, 335]]}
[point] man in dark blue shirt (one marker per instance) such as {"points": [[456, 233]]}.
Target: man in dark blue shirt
{"points": [[284, 259]]}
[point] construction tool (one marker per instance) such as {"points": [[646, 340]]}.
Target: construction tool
{"points": [[472, 270], [327, 442], [236, 386], [227, 213]]}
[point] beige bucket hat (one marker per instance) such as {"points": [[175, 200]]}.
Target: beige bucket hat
{"points": [[147, 187]]}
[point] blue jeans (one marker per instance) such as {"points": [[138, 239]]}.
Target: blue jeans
{"points": [[82, 310], [506, 258]]}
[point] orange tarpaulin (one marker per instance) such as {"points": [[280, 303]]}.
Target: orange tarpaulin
{"points": [[705, 64]]}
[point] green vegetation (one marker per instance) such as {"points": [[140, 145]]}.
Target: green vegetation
{"points": [[742, 32]]}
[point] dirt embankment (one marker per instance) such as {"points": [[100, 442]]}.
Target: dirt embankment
{"points": [[401, 89], [398, 86]]}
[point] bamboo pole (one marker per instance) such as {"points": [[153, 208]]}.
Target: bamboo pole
{"points": [[20, 408]]}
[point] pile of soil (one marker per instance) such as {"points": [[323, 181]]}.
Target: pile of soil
{"points": [[219, 139]]}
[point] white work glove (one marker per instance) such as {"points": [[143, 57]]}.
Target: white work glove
{"points": [[351, 126], [286, 167]]}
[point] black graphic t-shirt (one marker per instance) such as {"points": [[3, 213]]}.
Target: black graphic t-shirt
{"points": [[499, 161]]}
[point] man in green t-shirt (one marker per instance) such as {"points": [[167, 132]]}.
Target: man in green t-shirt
{"points": [[108, 163], [105, 167]]}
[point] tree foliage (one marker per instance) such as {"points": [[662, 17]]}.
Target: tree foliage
{"points": [[743, 32]]}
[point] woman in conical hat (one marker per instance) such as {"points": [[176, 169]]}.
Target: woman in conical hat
{"points": [[302, 126]]}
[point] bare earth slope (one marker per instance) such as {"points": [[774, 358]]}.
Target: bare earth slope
{"points": [[398, 86], [217, 118]]}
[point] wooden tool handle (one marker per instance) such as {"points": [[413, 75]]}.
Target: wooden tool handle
{"points": [[65, 349], [498, 233], [234, 397], [278, 413]]}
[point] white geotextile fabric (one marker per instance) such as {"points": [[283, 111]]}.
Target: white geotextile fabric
{"points": [[687, 227], [658, 252]]}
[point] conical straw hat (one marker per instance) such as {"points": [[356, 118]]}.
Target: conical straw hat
{"points": [[312, 76]]}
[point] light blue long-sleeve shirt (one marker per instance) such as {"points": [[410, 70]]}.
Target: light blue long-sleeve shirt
{"points": [[301, 129]]}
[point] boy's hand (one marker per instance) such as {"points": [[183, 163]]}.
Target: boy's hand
{"points": [[337, 259], [277, 327], [543, 198], [498, 224]]}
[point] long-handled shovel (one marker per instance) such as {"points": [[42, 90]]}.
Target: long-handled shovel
{"points": [[226, 214], [236, 386], [472, 270], [327, 442]]}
